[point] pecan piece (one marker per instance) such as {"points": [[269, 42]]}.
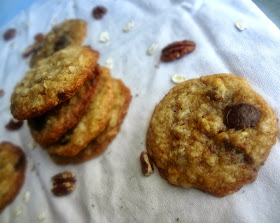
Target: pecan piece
{"points": [[176, 50], [146, 164], [63, 183], [98, 12], [9, 34], [14, 124]]}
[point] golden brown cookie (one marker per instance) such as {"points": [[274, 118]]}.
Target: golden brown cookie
{"points": [[211, 133], [91, 124], [54, 80], [12, 172], [49, 127], [99, 144], [68, 33]]}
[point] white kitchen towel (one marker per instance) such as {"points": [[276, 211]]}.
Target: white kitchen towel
{"points": [[111, 188]]}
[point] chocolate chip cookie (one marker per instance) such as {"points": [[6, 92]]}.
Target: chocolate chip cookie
{"points": [[98, 145], [49, 127], [12, 172], [68, 33], [54, 80], [211, 133], [91, 124]]}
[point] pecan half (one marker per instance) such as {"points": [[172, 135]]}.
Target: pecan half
{"points": [[176, 50], [14, 124], [63, 183], [146, 164]]}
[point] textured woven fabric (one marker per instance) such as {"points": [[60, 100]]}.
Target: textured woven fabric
{"points": [[111, 188]]}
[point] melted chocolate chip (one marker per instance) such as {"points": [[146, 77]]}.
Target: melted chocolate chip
{"points": [[61, 43], [241, 116], [9, 34], [14, 125], [98, 12]]}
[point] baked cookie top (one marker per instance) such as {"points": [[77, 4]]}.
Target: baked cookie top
{"points": [[49, 127], [68, 33], [54, 80], [92, 123], [97, 146], [211, 133], [12, 171]]}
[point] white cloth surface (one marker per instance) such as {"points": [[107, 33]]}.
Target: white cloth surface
{"points": [[111, 188]]}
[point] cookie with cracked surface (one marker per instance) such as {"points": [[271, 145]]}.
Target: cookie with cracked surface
{"points": [[91, 124], [68, 33], [49, 127], [212, 133], [12, 172], [55, 80], [98, 145]]}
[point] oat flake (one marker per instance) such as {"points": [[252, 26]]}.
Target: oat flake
{"points": [[152, 49], [104, 37], [18, 211], [41, 216], [240, 26], [26, 196], [109, 63], [128, 26], [177, 78]]}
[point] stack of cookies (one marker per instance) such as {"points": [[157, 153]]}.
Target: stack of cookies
{"points": [[73, 106]]}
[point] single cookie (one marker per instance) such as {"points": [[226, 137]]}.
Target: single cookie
{"points": [[211, 133], [49, 127], [99, 144], [68, 33], [12, 172], [91, 124], [55, 80]]}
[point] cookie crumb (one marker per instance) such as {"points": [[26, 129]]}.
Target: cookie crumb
{"points": [[129, 26], [240, 26], [177, 219], [177, 78], [109, 63], [1, 92], [41, 216], [152, 49], [104, 37], [93, 205], [26, 196]]}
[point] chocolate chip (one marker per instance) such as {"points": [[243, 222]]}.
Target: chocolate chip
{"points": [[98, 12], [61, 43], [9, 34], [241, 116], [14, 125]]}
